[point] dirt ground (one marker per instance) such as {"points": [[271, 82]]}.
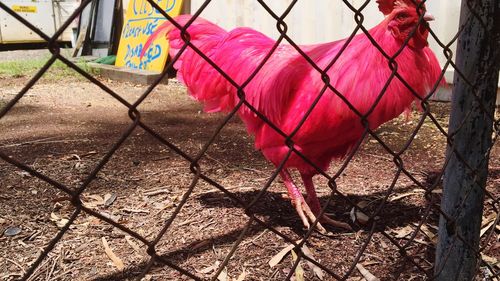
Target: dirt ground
{"points": [[63, 129]]}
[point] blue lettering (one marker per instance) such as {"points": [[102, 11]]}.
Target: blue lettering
{"points": [[133, 54], [133, 51], [170, 5], [142, 7], [136, 31]]}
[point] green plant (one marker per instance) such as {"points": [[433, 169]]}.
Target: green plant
{"points": [[58, 70]]}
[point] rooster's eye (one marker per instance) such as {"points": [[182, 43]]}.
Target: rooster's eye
{"points": [[402, 16]]}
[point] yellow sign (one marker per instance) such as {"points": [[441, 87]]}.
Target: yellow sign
{"points": [[141, 20], [24, 9]]}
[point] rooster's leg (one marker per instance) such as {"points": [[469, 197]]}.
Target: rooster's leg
{"points": [[298, 201], [313, 201]]}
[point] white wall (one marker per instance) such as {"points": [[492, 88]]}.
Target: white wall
{"points": [[326, 20], [323, 21]]}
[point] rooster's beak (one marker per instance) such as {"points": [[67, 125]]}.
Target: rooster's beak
{"points": [[428, 17]]}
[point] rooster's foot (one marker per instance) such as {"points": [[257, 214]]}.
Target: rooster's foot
{"points": [[307, 216], [316, 207]]}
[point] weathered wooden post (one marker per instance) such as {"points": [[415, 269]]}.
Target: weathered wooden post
{"points": [[471, 126]]}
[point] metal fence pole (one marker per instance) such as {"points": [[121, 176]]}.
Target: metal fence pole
{"points": [[471, 125]]}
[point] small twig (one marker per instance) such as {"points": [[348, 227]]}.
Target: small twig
{"points": [[161, 158], [379, 156], [215, 160], [6, 276], [41, 141], [254, 170], [187, 222], [255, 238], [156, 192], [49, 273], [93, 152], [241, 189], [233, 168], [39, 270], [27, 142], [366, 274], [274, 273], [163, 209], [132, 244], [62, 274], [206, 225], [18, 265], [135, 211], [32, 236]]}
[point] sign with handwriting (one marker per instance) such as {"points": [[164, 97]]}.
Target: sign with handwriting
{"points": [[141, 20]]}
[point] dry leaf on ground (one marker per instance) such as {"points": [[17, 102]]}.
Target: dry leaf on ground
{"points": [[299, 271], [366, 274], [115, 259], [317, 271], [242, 276], [279, 256], [132, 244], [109, 199], [357, 215], [403, 232]]}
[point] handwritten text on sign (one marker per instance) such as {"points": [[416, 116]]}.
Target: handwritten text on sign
{"points": [[141, 20]]}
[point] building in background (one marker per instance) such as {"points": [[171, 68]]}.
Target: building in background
{"points": [[308, 22], [311, 22], [46, 15]]}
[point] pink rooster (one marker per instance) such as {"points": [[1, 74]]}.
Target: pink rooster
{"points": [[287, 85]]}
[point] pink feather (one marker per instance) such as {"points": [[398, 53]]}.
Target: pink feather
{"points": [[286, 86]]}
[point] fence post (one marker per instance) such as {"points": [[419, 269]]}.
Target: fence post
{"points": [[470, 127]]}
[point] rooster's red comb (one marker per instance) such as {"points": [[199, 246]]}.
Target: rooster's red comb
{"points": [[386, 6]]}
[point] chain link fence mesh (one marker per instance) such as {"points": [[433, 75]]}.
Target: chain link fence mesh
{"points": [[409, 248]]}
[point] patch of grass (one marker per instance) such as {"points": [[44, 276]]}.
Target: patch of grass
{"points": [[58, 70]]}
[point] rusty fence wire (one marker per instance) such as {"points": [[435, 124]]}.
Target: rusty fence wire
{"points": [[450, 217]]}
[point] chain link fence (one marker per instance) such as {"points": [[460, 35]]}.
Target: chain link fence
{"points": [[466, 246]]}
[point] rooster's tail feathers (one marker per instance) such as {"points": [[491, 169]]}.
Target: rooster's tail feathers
{"points": [[198, 30], [161, 30]]}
